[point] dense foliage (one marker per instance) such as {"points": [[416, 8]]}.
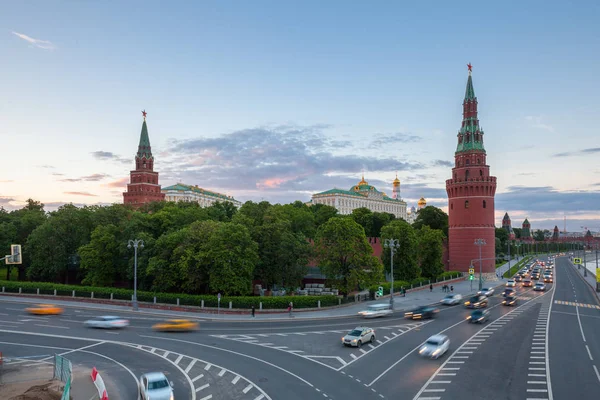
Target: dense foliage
{"points": [[217, 249]]}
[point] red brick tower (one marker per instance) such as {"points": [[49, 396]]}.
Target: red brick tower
{"points": [[143, 184], [471, 195]]}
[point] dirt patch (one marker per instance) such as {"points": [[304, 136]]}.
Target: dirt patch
{"points": [[32, 390]]}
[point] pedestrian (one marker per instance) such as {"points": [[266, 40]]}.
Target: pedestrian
{"points": [[452, 288], [430, 287], [290, 308], [253, 311]]}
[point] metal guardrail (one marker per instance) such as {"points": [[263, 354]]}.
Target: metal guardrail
{"points": [[63, 370]]}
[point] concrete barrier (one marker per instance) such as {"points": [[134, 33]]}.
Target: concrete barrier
{"points": [[99, 383]]}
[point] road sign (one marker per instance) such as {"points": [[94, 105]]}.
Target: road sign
{"points": [[15, 255], [597, 274], [577, 261], [471, 271]]}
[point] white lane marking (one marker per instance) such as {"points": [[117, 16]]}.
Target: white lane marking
{"points": [[441, 381], [202, 387], [597, 373], [353, 356], [53, 326], [434, 390], [207, 397], [363, 351], [189, 367], [178, 358], [207, 367], [537, 390], [260, 397], [579, 320], [447, 374], [247, 388], [236, 379], [222, 372], [536, 382], [387, 338], [537, 375], [198, 377]]}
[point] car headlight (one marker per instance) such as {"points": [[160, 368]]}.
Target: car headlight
{"points": [[467, 303], [469, 317], [354, 341], [422, 350], [436, 352], [172, 396]]}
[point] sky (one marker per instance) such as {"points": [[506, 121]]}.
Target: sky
{"points": [[271, 100]]}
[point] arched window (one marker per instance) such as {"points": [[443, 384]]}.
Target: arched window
{"points": [[478, 161], [484, 204], [467, 175], [452, 206], [466, 203], [455, 176], [468, 161], [480, 173], [144, 165]]}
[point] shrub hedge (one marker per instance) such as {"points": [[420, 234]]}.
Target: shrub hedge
{"points": [[415, 282], [244, 302]]}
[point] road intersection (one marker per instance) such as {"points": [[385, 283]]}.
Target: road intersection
{"points": [[515, 354]]}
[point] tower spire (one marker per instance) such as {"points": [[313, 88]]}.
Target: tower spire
{"points": [[470, 135], [144, 148]]}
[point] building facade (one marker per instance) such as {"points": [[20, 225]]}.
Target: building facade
{"points": [[143, 186], [363, 195], [206, 198], [471, 192]]}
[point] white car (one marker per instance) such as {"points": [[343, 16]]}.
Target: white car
{"points": [[435, 347], [511, 283], [376, 310], [155, 386], [486, 292], [359, 336], [452, 299], [107, 322]]}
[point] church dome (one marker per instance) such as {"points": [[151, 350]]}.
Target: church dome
{"points": [[396, 181], [422, 202]]}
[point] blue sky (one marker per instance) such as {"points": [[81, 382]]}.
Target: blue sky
{"points": [[278, 100]]}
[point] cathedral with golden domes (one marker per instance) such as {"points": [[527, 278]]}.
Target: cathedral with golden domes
{"points": [[364, 195]]}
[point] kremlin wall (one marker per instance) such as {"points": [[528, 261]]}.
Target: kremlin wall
{"points": [[471, 191]]}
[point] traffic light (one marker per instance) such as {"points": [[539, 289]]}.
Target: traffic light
{"points": [[380, 291], [15, 255], [470, 277]]}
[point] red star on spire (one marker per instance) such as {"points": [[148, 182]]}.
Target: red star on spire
{"points": [[470, 67], [144, 113]]}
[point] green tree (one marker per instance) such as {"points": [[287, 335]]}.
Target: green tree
{"points": [[168, 267], [539, 235], [8, 233], [26, 220], [379, 221], [345, 255], [433, 217], [431, 251], [234, 256], [364, 217], [406, 266], [102, 259], [323, 213]]}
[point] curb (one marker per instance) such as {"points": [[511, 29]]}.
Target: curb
{"points": [[592, 288]]}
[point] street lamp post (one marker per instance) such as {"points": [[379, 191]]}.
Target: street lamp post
{"points": [[392, 244], [508, 255], [135, 243], [480, 243], [584, 264]]}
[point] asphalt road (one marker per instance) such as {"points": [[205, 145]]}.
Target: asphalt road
{"points": [[574, 337], [301, 359]]}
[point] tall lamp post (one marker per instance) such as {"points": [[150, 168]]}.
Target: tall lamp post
{"points": [[584, 264], [480, 243], [135, 243], [392, 244], [508, 254]]}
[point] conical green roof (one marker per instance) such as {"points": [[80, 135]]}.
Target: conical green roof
{"points": [[144, 149], [470, 136], [470, 92]]}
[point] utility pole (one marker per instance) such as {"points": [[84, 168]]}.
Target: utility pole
{"points": [[509, 254], [392, 244], [135, 243], [480, 243]]}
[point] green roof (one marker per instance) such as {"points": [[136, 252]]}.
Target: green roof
{"points": [[353, 193], [470, 92], [470, 134], [144, 149], [182, 187]]}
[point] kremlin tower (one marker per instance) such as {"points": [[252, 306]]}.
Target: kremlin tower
{"points": [[143, 184], [396, 189], [507, 226], [471, 194]]}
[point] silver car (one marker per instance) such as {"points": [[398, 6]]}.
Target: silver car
{"points": [[486, 292], [376, 310], [107, 322], [359, 336], [435, 347], [155, 386]]}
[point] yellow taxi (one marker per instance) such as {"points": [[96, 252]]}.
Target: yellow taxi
{"points": [[44, 309], [176, 325]]}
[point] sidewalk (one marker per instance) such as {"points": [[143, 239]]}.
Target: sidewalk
{"points": [[591, 268], [82, 386]]}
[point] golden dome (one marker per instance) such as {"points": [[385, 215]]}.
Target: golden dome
{"points": [[363, 182], [421, 202], [396, 181]]}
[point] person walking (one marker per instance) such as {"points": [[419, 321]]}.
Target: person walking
{"points": [[253, 311], [430, 287], [290, 308], [451, 288]]}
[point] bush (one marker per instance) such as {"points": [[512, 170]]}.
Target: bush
{"points": [[244, 302]]}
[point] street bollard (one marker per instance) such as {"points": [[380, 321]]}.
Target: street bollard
{"points": [[178, 301], [202, 304], [230, 305], [73, 294], [19, 290], [260, 306], [92, 296], [111, 296], [154, 299], [38, 291], [319, 304], [55, 292]]}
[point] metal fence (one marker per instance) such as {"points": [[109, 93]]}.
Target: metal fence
{"points": [[63, 370]]}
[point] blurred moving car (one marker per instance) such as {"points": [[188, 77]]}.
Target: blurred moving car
{"points": [[510, 301], [539, 287], [509, 292], [358, 336], [421, 312], [548, 279], [45, 309], [511, 283], [478, 316], [376, 310], [486, 292], [451, 299], [155, 386], [476, 302], [435, 347], [176, 325], [527, 283], [107, 322]]}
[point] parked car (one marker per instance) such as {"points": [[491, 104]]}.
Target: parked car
{"points": [[376, 310], [435, 347], [359, 336], [452, 299], [155, 386]]}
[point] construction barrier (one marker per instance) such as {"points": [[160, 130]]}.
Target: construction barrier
{"points": [[99, 383]]}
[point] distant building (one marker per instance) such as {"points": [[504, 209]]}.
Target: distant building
{"points": [[526, 230], [143, 186], [555, 233], [182, 192], [363, 195], [506, 225], [412, 215]]}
